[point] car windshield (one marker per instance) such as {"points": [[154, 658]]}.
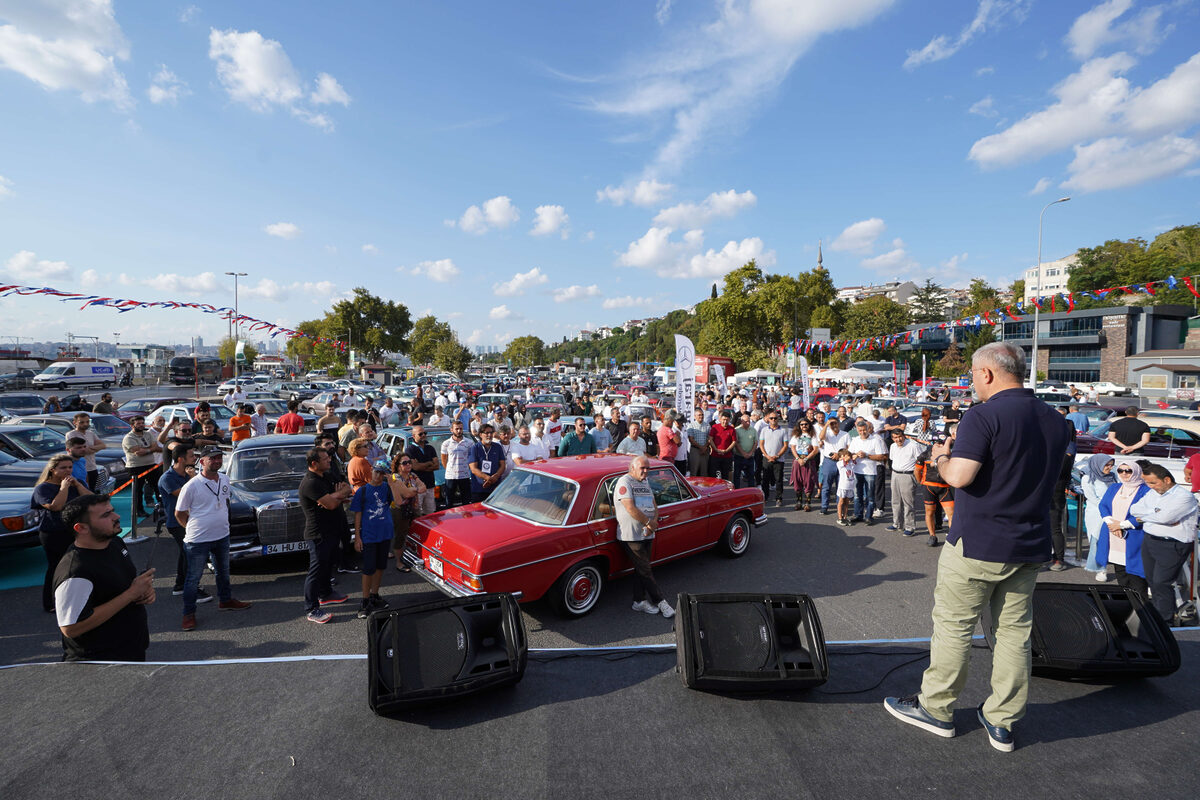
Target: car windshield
{"points": [[21, 401], [273, 406], [140, 406], [6, 459], [251, 463], [549, 398], [534, 496], [106, 425], [39, 442], [220, 411]]}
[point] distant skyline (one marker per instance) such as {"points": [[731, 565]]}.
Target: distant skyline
{"points": [[548, 167]]}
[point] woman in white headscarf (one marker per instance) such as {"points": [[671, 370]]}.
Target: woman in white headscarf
{"points": [[1097, 477], [1122, 546]]}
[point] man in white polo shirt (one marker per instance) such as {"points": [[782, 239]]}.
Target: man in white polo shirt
{"points": [[904, 453], [203, 511]]}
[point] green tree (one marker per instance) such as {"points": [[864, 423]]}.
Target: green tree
{"points": [[1017, 290], [428, 334], [525, 351], [985, 335], [228, 347], [950, 365], [734, 324], [373, 325], [874, 316], [828, 317], [983, 297], [929, 303], [300, 348], [451, 356]]}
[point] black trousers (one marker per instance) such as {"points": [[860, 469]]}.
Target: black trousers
{"points": [[720, 467], [458, 492], [643, 583], [55, 545], [322, 555], [145, 490], [1162, 559], [181, 565], [1058, 507], [772, 474], [1129, 580]]}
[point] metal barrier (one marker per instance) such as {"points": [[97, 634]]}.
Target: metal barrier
{"points": [[134, 486]]}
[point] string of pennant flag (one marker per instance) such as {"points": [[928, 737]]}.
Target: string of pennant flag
{"points": [[123, 305], [1015, 311]]}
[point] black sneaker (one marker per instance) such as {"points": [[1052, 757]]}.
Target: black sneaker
{"points": [[1000, 738], [202, 596], [932, 541], [909, 709], [364, 609], [378, 603], [348, 569]]}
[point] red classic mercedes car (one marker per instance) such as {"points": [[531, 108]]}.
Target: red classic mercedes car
{"points": [[549, 530]]}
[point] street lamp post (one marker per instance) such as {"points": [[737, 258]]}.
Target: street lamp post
{"points": [[1036, 294], [235, 275]]}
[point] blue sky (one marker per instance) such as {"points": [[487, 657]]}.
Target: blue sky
{"points": [[545, 166]]}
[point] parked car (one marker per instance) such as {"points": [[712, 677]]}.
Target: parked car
{"points": [[17, 472], [1168, 439], [141, 406], [20, 405], [233, 383], [62, 374], [394, 440], [33, 441], [109, 427], [549, 530], [318, 404], [295, 390], [18, 521], [276, 408], [220, 414], [1110, 389], [21, 379]]}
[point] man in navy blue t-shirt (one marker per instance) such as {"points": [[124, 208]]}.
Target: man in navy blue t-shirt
{"points": [[1007, 455]]}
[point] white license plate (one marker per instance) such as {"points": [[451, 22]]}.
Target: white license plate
{"points": [[435, 566], [284, 547]]}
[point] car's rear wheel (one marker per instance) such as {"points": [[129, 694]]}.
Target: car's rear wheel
{"points": [[106, 384], [577, 591], [62, 387], [735, 541]]}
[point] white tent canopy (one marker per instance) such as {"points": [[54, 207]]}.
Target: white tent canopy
{"points": [[756, 374], [860, 375]]}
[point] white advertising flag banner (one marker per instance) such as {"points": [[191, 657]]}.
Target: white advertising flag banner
{"points": [[719, 369], [804, 380], [685, 376]]}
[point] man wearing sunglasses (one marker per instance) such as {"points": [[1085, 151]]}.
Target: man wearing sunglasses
{"points": [[425, 460]]}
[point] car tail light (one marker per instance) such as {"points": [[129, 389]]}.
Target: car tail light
{"points": [[437, 493], [14, 523]]}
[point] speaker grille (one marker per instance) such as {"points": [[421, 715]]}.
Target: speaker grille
{"points": [[735, 637], [433, 649], [1071, 626]]}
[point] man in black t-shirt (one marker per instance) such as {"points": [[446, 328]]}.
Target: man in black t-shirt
{"points": [[1129, 434], [425, 461], [324, 525], [98, 596]]}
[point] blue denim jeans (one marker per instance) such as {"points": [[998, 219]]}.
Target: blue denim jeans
{"points": [[197, 555], [829, 482], [864, 496]]}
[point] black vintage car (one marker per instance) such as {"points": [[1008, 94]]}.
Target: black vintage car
{"points": [[264, 476]]}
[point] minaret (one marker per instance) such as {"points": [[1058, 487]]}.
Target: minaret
{"points": [[819, 260]]}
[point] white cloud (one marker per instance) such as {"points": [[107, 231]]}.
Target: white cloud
{"points": [[266, 289], [519, 283], [575, 292], [589, 236], [503, 312], [476, 337], [497, 213], [894, 261], [166, 87], [173, 283], [662, 11], [90, 278], [189, 14], [6, 187], [550, 219], [654, 249], [284, 230], [645, 193], [954, 262], [1094, 29], [979, 73], [443, 270], [715, 263], [26, 266], [72, 46], [990, 14], [859, 237], [1042, 185], [1115, 163], [709, 78], [370, 249], [328, 91], [984, 108], [717, 204], [258, 73], [628, 301]]}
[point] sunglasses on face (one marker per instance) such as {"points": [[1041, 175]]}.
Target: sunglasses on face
{"points": [[1124, 471], [405, 463]]}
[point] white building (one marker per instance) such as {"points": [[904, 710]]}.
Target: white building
{"points": [[897, 291], [1053, 280]]}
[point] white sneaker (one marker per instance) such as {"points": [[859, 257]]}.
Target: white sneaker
{"points": [[645, 607], [666, 609], [878, 513], [1102, 576]]}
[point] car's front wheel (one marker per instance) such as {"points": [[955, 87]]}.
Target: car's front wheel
{"points": [[578, 590], [735, 541]]}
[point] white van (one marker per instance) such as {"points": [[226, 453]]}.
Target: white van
{"points": [[62, 374]]}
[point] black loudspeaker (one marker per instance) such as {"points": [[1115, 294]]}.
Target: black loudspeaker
{"points": [[1100, 633], [749, 642], [442, 649]]}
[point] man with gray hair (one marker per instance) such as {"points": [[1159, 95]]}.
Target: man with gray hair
{"points": [[1007, 453], [637, 522]]}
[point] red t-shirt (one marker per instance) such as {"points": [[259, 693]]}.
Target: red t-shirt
{"points": [[667, 449], [721, 437], [1194, 465], [290, 422]]}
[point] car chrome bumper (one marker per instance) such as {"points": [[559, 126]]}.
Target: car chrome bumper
{"points": [[760, 521], [417, 565]]}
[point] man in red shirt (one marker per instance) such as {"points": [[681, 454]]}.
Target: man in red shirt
{"points": [[290, 422], [1191, 472], [722, 439]]}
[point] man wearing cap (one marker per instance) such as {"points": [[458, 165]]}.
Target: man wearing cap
{"points": [[203, 511], [324, 525]]}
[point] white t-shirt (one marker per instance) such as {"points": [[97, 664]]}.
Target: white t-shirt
{"points": [[831, 443], [440, 401], [626, 488], [438, 420], [554, 431], [872, 445], [904, 456], [388, 413], [526, 452], [458, 458], [207, 504]]}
